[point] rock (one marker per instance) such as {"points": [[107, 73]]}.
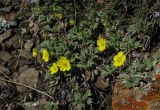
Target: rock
{"points": [[11, 16], [5, 56], [5, 35], [145, 97], [101, 83], [23, 31], [15, 77], [25, 54], [14, 42], [42, 101], [39, 105], [31, 24], [12, 64], [28, 45], [24, 24], [5, 9], [8, 93], [6, 2], [28, 77], [24, 67], [34, 30], [2, 84], [4, 25], [26, 37], [13, 23], [31, 1], [4, 70], [25, 62]]}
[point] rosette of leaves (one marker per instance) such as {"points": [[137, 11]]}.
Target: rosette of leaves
{"points": [[51, 106], [82, 98], [57, 47]]}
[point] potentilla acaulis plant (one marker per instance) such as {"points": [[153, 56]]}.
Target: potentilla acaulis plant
{"points": [[79, 42]]}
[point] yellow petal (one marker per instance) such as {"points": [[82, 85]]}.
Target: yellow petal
{"points": [[101, 43], [119, 59], [45, 55], [123, 58], [63, 64], [115, 58], [34, 52], [120, 53], [54, 68], [115, 64], [101, 48], [71, 22]]}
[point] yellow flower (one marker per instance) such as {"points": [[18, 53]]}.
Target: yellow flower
{"points": [[63, 64], [119, 59], [59, 15], [34, 52], [101, 43], [45, 55], [71, 22], [54, 68]]}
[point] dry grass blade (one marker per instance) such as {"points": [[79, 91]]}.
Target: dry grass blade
{"points": [[34, 89]]}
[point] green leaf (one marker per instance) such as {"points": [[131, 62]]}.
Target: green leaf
{"points": [[41, 18]]}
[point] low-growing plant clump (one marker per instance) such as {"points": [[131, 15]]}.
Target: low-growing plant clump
{"points": [[85, 37], [85, 47]]}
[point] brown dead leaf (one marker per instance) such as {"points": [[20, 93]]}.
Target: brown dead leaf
{"points": [[101, 83]]}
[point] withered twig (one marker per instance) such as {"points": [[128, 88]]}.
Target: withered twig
{"points": [[41, 92]]}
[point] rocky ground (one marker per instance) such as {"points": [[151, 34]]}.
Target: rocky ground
{"points": [[20, 74], [16, 62]]}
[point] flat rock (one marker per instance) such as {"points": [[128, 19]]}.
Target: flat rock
{"points": [[15, 42], [5, 35], [5, 9], [13, 23], [4, 70], [5, 56], [22, 68], [24, 24], [28, 45], [31, 1], [28, 77], [26, 54], [25, 62], [11, 16], [2, 84]]}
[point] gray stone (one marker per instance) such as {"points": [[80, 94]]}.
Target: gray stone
{"points": [[5, 56], [5, 35], [25, 54], [5, 9], [13, 23], [15, 42], [24, 67], [28, 45], [2, 84], [3, 70], [4, 25], [28, 77]]}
